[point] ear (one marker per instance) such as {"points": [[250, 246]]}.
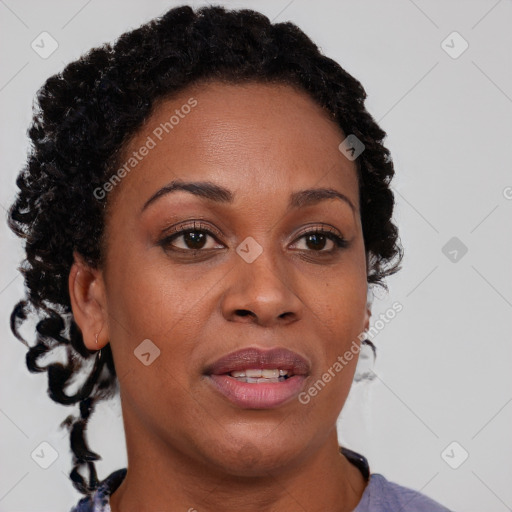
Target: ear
{"points": [[88, 302], [368, 312], [367, 315]]}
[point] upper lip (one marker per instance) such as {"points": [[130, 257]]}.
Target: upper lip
{"points": [[254, 358]]}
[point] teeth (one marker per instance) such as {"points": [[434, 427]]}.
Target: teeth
{"points": [[254, 373], [251, 380]]}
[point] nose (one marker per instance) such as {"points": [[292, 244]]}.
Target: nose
{"points": [[262, 292]]}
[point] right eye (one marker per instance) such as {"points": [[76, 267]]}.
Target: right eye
{"points": [[192, 238]]}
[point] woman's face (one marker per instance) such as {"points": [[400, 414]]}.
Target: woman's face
{"points": [[257, 281]]}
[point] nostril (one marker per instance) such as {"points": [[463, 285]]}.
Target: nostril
{"points": [[242, 312]]}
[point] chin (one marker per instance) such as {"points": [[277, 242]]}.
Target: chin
{"points": [[256, 455]]}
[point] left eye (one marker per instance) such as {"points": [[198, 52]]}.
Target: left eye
{"points": [[316, 240]]}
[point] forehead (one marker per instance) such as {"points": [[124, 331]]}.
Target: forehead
{"points": [[253, 137]]}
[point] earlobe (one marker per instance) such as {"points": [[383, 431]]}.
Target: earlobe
{"points": [[368, 312], [87, 295], [367, 316]]}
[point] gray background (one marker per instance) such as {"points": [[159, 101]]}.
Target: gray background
{"points": [[443, 367]]}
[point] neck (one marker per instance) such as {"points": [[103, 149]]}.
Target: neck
{"points": [[160, 478]]}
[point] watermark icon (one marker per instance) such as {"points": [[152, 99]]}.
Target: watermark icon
{"points": [[249, 249], [351, 147], [454, 455], [151, 142], [44, 45], [343, 360], [146, 352], [454, 45], [44, 455], [454, 249], [507, 193]]}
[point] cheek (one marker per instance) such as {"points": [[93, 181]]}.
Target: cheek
{"points": [[156, 301], [147, 302], [151, 298], [339, 304]]}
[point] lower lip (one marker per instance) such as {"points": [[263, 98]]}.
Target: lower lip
{"points": [[258, 395]]}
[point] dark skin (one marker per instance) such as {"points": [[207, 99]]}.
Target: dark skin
{"points": [[188, 446]]}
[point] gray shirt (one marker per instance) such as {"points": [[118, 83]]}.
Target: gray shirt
{"points": [[383, 496]]}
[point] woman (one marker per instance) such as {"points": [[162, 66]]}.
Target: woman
{"points": [[205, 206]]}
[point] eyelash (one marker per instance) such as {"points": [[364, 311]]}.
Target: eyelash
{"points": [[339, 242]]}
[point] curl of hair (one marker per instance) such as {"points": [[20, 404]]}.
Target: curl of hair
{"points": [[84, 117]]}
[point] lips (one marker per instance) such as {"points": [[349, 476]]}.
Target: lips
{"points": [[278, 358], [229, 375]]}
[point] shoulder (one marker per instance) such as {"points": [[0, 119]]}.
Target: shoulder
{"points": [[99, 501], [381, 495]]}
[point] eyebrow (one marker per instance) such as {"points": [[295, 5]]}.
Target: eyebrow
{"points": [[219, 194]]}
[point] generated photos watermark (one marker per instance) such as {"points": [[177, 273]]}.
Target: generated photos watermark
{"points": [[157, 135], [343, 360]]}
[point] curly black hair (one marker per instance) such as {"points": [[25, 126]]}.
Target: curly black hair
{"points": [[84, 117]]}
